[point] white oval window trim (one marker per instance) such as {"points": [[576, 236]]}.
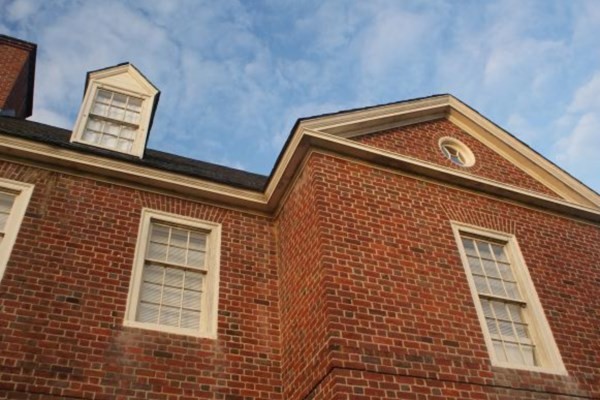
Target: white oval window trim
{"points": [[457, 152]]}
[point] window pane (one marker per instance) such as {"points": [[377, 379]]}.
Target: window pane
{"points": [[190, 319], [506, 330], [515, 312], [193, 280], [174, 277], [500, 310], [151, 293], [179, 238], [160, 233], [116, 113], [108, 141], [124, 145], [127, 133], [469, 247], [135, 104], [484, 249], [132, 117], [171, 296], [176, 255], [119, 100], [191, 300], [490, 268], [147, 313], [499, 350], [505, 272], [475, 265], [197, 241], [529, 355], [492, 327], [512, 291], [103, 96], [90, 137], [499, 252], [169, 316], [100, 109], [153, 273], [157, 251], [513, 353], [112, 129], [480, 284], [196, 259], [497, 288]]}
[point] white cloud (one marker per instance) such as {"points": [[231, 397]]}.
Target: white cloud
{"points": [[587, 97], [21, 9]]}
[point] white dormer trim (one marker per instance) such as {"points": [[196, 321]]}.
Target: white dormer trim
{"points": [[128, 135]]}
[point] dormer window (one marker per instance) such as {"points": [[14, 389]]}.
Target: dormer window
{"points": [[113, 121], [116, 113]]}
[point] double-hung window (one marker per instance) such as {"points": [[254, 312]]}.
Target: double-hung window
{"points": [[113, 121], [14, 198], [516, 331], [174, 287]]}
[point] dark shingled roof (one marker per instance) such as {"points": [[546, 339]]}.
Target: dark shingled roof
{"points": [[152, 158]]}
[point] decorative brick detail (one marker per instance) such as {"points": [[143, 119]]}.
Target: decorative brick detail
{"points": [[421, 141]]}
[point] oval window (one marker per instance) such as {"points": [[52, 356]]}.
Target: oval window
{"points": [[457, 152]]}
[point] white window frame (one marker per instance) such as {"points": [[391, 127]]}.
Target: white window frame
{"points": [[547, 353], [209, 305], [139, 141], [22, 192]]}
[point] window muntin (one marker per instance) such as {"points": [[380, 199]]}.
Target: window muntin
{"points": [[113, 121], [500, 300], [14, 199], [454, 154], [174, 286], [515, 329]]}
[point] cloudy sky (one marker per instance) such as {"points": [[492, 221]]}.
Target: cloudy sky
{"points": [[235, 75]]}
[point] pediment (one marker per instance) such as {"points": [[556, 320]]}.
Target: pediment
{"points": [[123, 77], [531, 171]]}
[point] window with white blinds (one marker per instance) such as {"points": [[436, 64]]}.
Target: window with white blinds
{"points": [[515, 328], [14, 198], [501, 302], [176, 275]]}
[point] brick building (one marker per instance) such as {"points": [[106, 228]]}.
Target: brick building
{"points": [[412, 250]]}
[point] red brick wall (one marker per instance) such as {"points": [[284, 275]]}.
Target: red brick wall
{"points": [[398, 300], [63, 298], [14, 70], [421, 141], [355, 290], [303, 318]]}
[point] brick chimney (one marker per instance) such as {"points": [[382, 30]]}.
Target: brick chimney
{"points": [[17, 71]]}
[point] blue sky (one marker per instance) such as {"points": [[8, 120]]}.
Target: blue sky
{"points": [[235, 75]]}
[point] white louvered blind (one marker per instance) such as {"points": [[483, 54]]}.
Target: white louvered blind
{"points": [[173, 277], [501, 302]]}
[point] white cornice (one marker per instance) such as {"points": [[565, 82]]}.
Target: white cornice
{"points": [[305, 138]]}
